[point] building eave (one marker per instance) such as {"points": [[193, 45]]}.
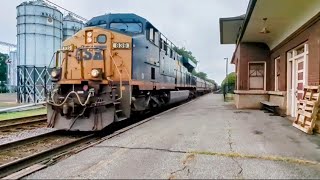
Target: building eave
{"points": [[229, 28], [250, 9]]}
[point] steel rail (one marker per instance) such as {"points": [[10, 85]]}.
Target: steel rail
{"points": [[23, 121], [19, 164]]}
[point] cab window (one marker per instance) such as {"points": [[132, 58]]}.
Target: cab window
{"points": [[127, 27]]}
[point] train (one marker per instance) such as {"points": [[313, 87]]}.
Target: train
{"points": [[118, 66]]}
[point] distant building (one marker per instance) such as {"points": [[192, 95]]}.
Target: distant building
{"points": [[277, 51]]}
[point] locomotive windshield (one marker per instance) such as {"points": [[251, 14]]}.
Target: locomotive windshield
{"points": [[127, 27]]}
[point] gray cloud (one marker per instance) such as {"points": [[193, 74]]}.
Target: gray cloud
{"points": [[190, 23]]}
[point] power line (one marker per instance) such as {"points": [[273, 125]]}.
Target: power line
{"points": [[7, 44], [72, 13]]}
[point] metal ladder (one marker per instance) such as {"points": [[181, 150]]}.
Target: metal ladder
{"points": [[118, 114]]}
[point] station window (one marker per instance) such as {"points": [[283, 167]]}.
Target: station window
{"points": [[257, 76]]}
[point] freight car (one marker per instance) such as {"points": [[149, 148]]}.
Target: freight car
{"points": [[118, 65]]}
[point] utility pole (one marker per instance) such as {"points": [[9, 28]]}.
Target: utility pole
{"points": [[227, 84]]}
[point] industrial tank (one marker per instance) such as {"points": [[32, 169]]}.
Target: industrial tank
{"points": [[12, 68], [71, 25], [39, 32]]}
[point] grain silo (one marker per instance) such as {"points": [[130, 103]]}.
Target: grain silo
{"points": [[71, 25], [39, 35], [12, 69]]}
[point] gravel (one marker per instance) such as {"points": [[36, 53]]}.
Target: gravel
{"points": [[23, 135]]}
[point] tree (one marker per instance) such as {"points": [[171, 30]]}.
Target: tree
{"points": [[230, 82], [185, 53], [201, 75], [3, 72], [3, 67], [188, 54]]}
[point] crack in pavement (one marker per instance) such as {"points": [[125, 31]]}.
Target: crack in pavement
{"points": [[231, 148], [185, 164], [172, 174]]}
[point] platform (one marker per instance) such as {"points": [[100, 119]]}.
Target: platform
{"points": [[206, 138]]}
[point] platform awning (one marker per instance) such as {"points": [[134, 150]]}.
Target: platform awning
{"points": [[229, 29], [283, 18]]}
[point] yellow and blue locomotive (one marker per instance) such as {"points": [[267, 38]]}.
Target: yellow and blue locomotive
{"points": [[117, 65]]}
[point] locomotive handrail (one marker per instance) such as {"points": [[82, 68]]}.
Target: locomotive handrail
{"points": [[130, 82], [119, 74], [91, 93], [99, 48]]}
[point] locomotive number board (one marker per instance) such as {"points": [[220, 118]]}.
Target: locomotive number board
{"points": [[121, 45]]}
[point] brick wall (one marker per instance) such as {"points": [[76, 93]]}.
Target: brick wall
{"points": [[310, 35], [314, 55], [248, 52]]}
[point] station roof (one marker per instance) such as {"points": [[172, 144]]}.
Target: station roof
{"points": [[283, 19], [229, 28]]}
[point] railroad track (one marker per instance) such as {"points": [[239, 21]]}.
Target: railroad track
{"points": [[23, 157], [21, 154], [23, 123]]}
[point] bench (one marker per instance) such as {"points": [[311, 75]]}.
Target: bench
{"points": [[270, 107]]}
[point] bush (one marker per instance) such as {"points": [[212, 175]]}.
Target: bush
{"points": [[230, 86], [3, 87]]}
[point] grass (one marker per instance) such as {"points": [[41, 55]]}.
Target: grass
{"points": [[13, 115], [269, 158], [229, 97]]}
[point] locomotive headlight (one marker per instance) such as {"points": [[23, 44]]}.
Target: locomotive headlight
{"points": [[89, 34], [95, 73], [54, 73], [89, 40]]}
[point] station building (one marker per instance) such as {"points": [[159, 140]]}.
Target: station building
{"points": [[277, 51]]}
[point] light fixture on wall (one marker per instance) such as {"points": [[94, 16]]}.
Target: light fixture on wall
{"points": [[264, 30]]}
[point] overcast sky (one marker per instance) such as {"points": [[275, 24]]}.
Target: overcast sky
{"points": [[190, 23]]}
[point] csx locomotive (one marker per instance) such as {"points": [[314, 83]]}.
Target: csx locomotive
{"points": [[118, 65]]}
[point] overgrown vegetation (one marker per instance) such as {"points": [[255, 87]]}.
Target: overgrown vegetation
{"points": [[188, 54], [185, 53], [229, 83], [19, 114], [3, 72]]}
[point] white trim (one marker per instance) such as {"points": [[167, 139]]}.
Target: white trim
{"points": [[276, 78], [293, 73], [264, 75]]}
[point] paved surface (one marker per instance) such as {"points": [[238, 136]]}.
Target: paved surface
{"points": [[8, 100], [204, 139]]}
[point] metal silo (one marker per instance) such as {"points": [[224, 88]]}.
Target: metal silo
{"points": [[39, 32], [39, 35], [12, 63], [71, 25]]}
